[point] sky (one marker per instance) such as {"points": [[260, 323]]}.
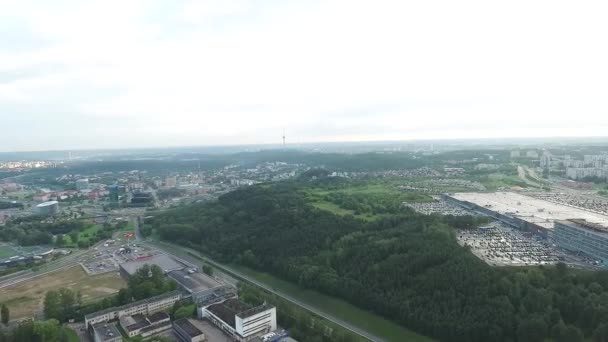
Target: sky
{"points": [[150, 73]]}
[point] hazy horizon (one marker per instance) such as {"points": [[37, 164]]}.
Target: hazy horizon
{"points": [[512, 142], [141, 74]]}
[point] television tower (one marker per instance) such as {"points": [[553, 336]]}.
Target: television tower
{"points": [[283, 138]]}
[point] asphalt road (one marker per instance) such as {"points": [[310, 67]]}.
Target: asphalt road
{"points": [[182, 253], [52, 266]]}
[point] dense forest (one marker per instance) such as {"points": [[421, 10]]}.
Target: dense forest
{"points": [[405, 266]]}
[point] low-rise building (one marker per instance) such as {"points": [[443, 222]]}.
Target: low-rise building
{"points": [[145, 326], [204, 289], [106, 332], [239, 320], [187, 332], [143, 307]]}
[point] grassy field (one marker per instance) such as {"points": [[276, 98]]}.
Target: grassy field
{"points": [[72, 335], [384, 190], [336, 307], [336, 209], [6, 251], [84, 235], [129, 228], [26, 299], [495, 181]]}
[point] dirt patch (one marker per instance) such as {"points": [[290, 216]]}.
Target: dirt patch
{"points": [[26, 299], [106, 290]]}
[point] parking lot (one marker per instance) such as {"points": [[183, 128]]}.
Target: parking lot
{"points": [[439, 206], [588, 203], [108, 256], [500, 245]]}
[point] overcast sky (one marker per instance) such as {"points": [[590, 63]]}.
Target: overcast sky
{"points": [[109, 74]]}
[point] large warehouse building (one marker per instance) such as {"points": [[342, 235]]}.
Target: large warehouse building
{"points": [[582, 236], [524, 212]]}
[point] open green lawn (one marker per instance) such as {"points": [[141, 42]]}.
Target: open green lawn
{"points": [[72, 335], [129, 228], [89, 232], [336, 209], [495, 181], [339, 308], [6, 251], [84, 235], [19, 195], [380, 191]]}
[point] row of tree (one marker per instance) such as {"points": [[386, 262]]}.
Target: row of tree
{"points": [[30, 233], [39, 331], [10, 205], [148, 281], [5, 314], [405, 266]]}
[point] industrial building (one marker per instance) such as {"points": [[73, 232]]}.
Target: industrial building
{"points": [[140, 325], [239, 320], [47, 208], [193, 282], [524, 212], [144, 307], [203, 288], [165, 262], [187, 332], [106, 332], [584, 237]]}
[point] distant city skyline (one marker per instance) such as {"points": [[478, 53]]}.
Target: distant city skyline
{"points": [[85, 75]]}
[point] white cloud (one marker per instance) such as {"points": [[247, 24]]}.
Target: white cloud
{"points": [[204, 72]]}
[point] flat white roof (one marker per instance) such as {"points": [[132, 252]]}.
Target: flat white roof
{"points": [[540, 212], [46, 204], [165, 262]]}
